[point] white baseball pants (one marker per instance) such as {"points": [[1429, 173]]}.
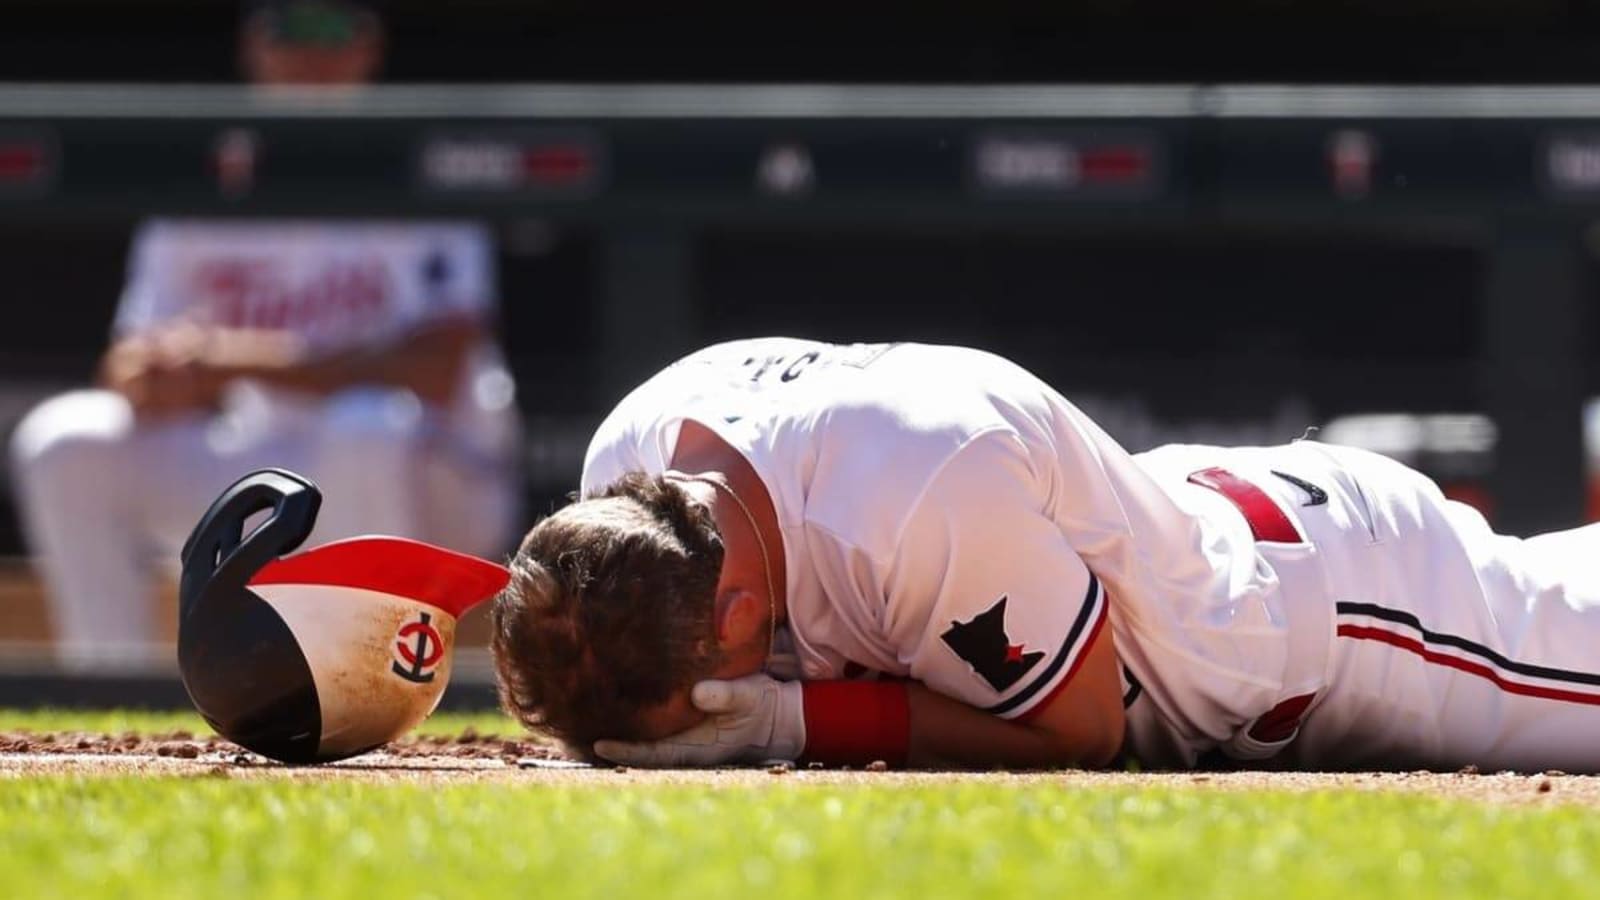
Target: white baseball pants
{"points": [[106, 503]]}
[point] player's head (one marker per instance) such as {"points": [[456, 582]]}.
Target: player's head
{"points": [[310, 42], [612, 614]]}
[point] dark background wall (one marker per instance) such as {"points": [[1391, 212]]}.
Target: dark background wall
{"points": [[1125, 309], [1101, 40]]}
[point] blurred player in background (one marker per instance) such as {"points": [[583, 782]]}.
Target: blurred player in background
{"points": [[359, 353]]}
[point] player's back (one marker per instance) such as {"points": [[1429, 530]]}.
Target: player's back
{"points": [[832, 428]]}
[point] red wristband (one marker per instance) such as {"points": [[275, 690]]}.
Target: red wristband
{"points": [[856, 722]]}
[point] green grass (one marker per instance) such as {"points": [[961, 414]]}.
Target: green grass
{"points": [[147, 722], [210, 837]]}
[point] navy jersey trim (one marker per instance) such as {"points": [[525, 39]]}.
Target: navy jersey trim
{"points": [[1134, 687], [1401, 617], [1086, 616]]}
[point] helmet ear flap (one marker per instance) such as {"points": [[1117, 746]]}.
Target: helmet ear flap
{"points": [[219, 556], [240, 663]]}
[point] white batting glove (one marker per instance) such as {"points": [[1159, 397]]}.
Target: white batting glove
{"points": [[752, 719]]}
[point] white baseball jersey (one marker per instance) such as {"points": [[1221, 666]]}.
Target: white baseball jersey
{"points": [[948, 517], [338, 285]]}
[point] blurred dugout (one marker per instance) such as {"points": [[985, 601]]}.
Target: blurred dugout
{"points": [[359, 353], [355, 353]]}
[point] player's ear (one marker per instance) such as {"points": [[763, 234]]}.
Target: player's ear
{"points": [[740, 616]]}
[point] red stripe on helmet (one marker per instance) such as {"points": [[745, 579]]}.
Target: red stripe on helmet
{"points": [[444, 579]]}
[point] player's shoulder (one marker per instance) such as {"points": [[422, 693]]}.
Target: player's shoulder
{"points": [[205, 228], [930, 397], [220, 230], [746, 352], [202, 236], [867, 495]]}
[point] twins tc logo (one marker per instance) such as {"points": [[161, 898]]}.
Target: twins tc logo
{"points": [[419, 649]]}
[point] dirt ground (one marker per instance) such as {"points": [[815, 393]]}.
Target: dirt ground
{"points": [[473, 758]]}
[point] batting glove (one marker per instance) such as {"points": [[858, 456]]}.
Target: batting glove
{"points": [[752, 719]]}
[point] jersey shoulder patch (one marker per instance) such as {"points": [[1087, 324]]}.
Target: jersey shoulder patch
{"points": [[983, 643]]}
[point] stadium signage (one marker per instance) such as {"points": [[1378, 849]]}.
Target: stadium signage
{"points": [[542, 161]]}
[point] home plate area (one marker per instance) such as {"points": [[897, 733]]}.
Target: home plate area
{"points": [[470, 757]]}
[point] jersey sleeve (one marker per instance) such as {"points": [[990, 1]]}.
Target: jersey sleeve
{"points": [[613, 451], [988, 602], [145, 290], [604, 464]]}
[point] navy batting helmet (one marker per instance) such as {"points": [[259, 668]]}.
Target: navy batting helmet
{"points": [[322, 654]]}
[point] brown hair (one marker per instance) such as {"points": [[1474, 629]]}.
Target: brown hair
{"points": [[609, 612]]}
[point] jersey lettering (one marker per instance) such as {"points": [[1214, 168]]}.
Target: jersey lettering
{"points": [[789, 367], [797, 367]]}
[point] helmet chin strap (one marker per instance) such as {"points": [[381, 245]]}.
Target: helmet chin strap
{"points": [[761, 544]]}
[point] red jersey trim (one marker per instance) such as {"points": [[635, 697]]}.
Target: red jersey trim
{"points": [[1412, 645], [1083, 654]]}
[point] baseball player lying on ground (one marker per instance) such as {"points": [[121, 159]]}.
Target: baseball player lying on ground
{"points": [[925, 555]]}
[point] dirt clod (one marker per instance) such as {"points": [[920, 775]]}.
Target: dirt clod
{"points": [[877, 765], [1468, 769]]}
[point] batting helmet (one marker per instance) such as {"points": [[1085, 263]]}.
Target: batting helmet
{"points": [[321, 655]]}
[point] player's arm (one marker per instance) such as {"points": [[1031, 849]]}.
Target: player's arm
{"points": [[428, 361], [185, 367], [1080, 726], [165, 363], [756, 718], [1002, 624], [1005, 631]]}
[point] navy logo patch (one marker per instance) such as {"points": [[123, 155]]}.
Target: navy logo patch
{"points": [[983, 643]]}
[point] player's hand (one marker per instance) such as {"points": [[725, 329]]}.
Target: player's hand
{"points": [[135, 367], [166, 373], [752, 719]]}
